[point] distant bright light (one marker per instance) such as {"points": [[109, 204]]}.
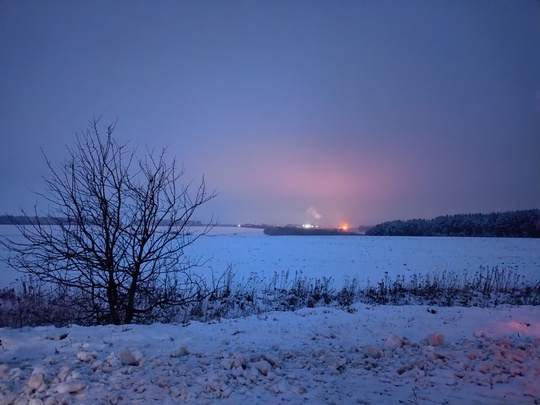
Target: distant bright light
{"points": [[307, 226], [345, 227]]}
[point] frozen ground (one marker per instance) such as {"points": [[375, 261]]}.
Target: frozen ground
{"points": [[367, 355], [363, 257]]}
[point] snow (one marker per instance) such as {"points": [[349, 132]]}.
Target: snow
{"points": [[249, 252], [359, 355], [363, 257], [365, 355]]}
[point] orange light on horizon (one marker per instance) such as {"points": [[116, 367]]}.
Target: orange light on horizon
{"points": [[345, 227]]}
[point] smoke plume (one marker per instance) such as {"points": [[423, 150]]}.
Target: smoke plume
{"points": [[314, 213]]}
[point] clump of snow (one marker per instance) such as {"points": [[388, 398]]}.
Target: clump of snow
{"points": [[86, 356], [373, 351], [130, 358], [70, 387], [180, 351], [36, 382], [435, 339], [393, 342]]}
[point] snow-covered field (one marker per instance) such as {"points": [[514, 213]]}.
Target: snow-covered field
{"points": [[363, 257], [250, 251], [364, 355]]}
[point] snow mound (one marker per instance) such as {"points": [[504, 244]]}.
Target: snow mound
{"points": [[370, 355]]}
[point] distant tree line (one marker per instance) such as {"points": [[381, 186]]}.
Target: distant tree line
{"points": [[27, 220], [512, 224]]}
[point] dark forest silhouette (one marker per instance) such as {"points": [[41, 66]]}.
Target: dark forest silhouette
{"points": [[511, 224]]}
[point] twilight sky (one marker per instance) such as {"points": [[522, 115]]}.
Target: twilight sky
{"points": [[358, 111]]}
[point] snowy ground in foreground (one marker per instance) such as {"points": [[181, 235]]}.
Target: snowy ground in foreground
{"points": [[369, 355]]}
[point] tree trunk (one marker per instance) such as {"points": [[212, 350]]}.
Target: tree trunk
{"points": [[112, 296], [130, 310]]}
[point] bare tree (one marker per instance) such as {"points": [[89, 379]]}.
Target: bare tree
{"points": [[114, 235]]}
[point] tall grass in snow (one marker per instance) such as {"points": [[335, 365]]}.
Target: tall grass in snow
{"points": [[30, 303]]}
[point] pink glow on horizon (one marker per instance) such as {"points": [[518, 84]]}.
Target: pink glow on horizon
{"points": [[291, 178]]}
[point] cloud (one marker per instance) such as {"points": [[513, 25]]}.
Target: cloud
{"points": [[314, 213]]}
